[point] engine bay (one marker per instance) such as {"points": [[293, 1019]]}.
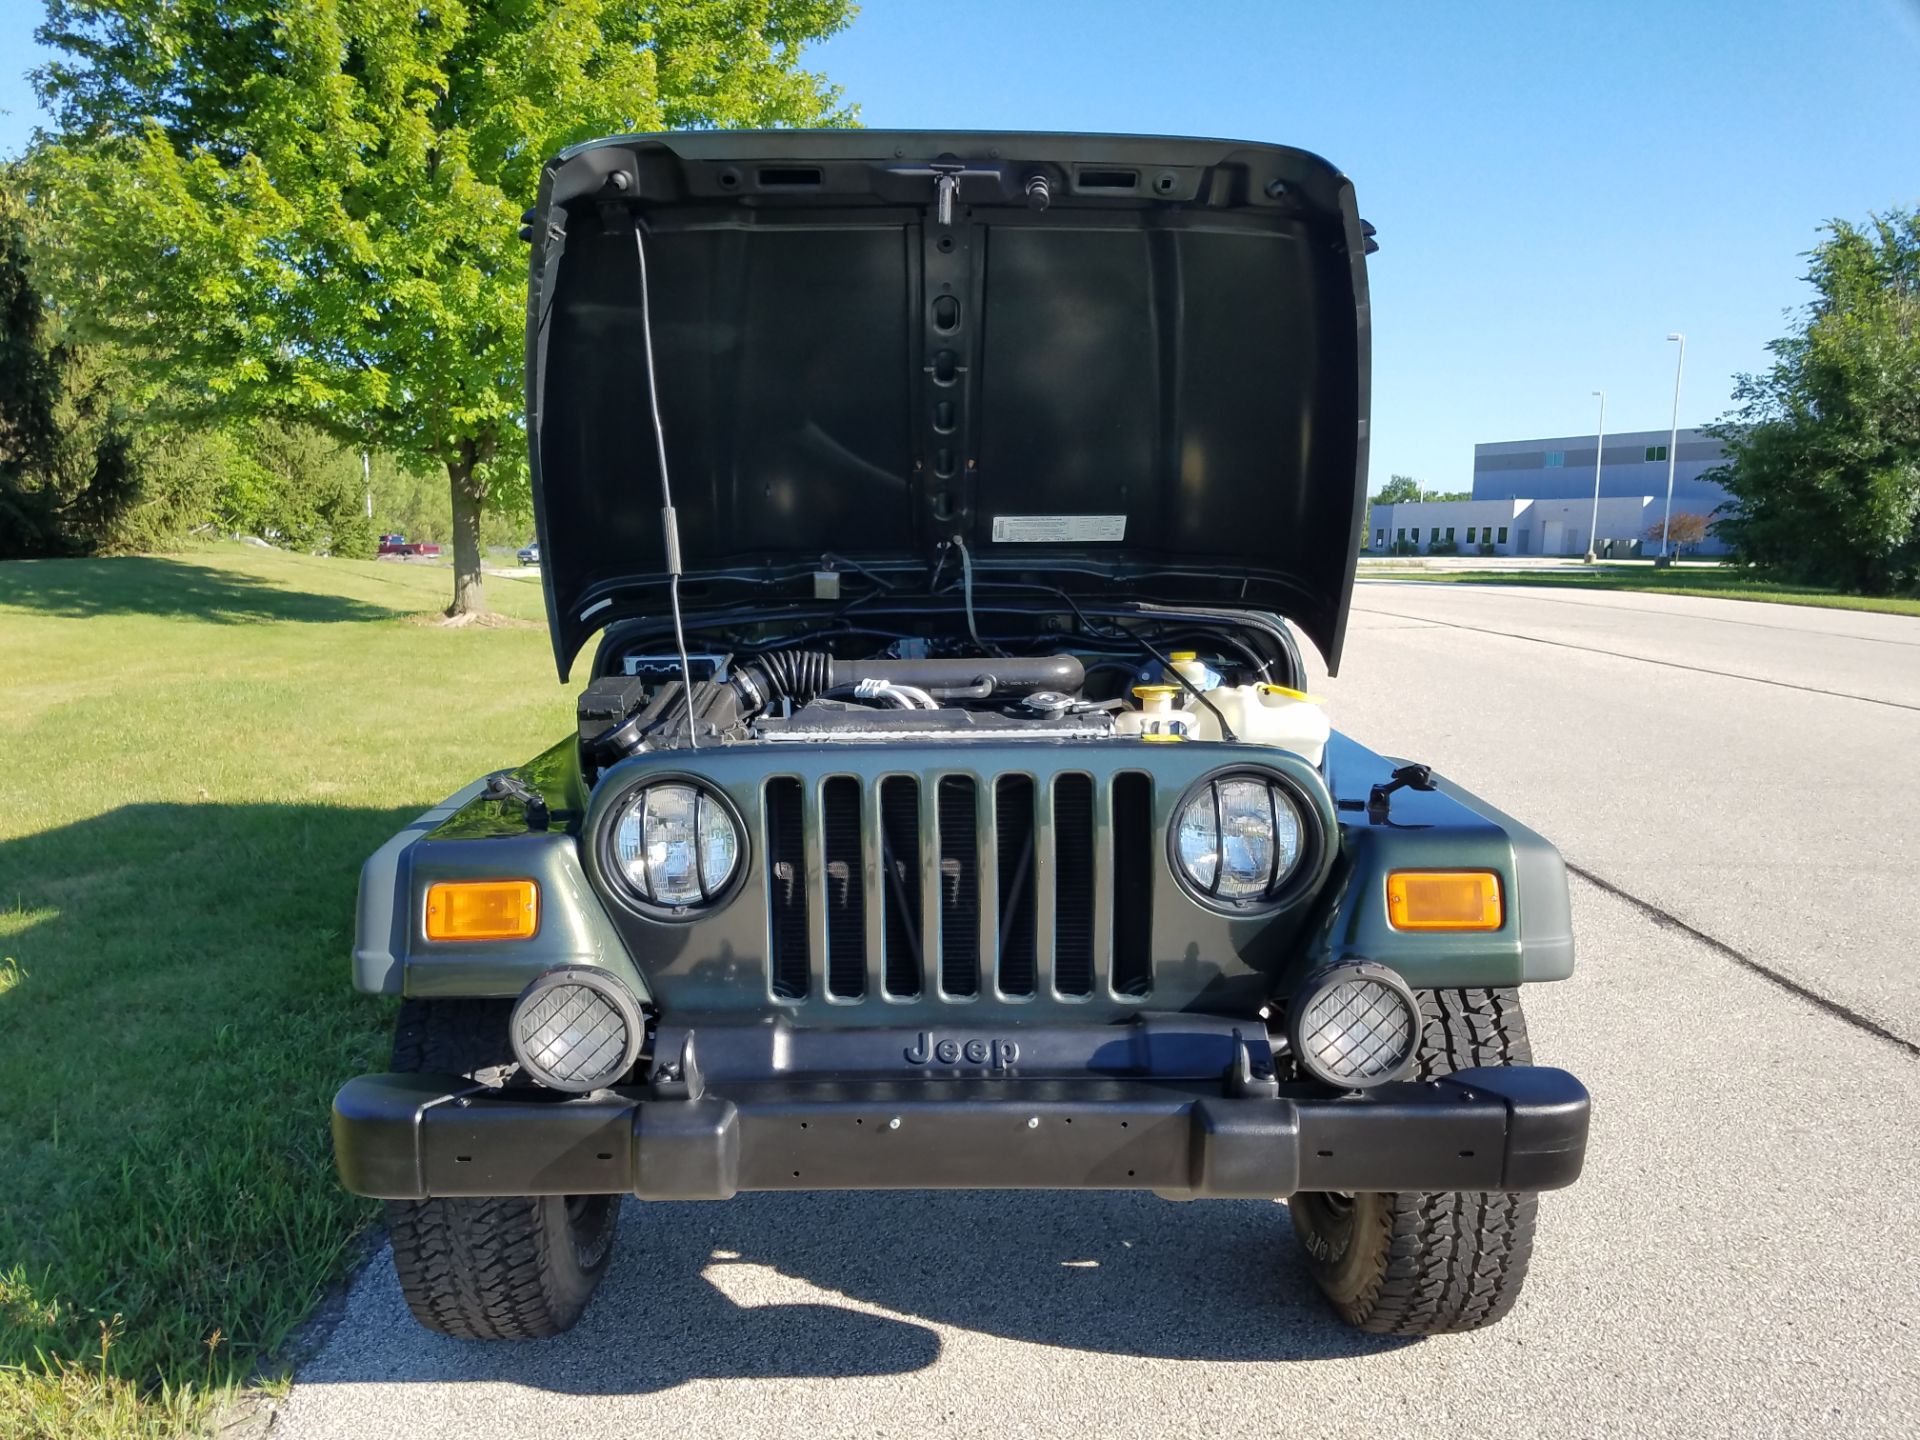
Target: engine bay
{"points": [[1160, 683]]}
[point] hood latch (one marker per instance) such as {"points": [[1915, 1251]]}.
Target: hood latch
{"points": [[946, 175], [946, 188]]}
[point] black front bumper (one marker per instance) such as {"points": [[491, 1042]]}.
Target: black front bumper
{"points": [[408, 1137]]}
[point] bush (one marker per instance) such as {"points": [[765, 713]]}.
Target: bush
{"points": [[1443, 547], [1487, 548]]}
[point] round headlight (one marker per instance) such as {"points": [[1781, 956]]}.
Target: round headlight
{"points": [[1238, 839], [676, 846]]}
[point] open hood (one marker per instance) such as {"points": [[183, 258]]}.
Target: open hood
{"points": [[1123, 367]]}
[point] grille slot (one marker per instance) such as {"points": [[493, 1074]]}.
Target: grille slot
{"points": [[1014, 835], [1132, 884], [959, 888], [786, 888], [900, 859], [846, 891], [1073, 884]]}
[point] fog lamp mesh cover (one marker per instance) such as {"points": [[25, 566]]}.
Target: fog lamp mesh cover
{"points": [[576, 1029], [1357, 1026]]}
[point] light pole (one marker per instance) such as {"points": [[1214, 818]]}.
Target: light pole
{"points": [[1673, 444], [1599, 447]]}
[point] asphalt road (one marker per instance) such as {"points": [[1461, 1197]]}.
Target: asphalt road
{"points": [[1740, 1259]]}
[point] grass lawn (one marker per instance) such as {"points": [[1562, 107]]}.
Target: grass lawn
{"points": [[1720, 584], [196, 753]]}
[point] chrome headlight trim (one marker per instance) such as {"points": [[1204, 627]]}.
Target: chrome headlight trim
{"points": [[1292, 817]]}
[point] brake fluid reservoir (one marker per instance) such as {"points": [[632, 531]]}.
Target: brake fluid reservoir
{"points": [[1188, 664], [1267, 715]]}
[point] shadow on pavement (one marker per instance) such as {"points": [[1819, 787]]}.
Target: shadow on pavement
{"points": [[732, 1291], [155, 585]]}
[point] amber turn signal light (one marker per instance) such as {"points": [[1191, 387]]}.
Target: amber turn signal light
{"points": [[483, 910], [1444, 900]]}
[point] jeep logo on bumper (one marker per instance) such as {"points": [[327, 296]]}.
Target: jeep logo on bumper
{"points": [[989, 1054]]}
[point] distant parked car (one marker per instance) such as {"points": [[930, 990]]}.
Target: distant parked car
{"points": [[400, 545], [530, 553]]}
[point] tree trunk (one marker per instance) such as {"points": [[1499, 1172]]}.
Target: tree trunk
{"points": [[468, 597]]}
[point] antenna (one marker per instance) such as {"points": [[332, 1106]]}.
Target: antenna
{"points": [[669, 524]]}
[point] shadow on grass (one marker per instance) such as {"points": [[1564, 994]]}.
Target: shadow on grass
{"points": [[156, 585], [179, 1013]]}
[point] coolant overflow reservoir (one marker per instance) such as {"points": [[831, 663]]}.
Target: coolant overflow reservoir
{"points": [[1267, 715]]}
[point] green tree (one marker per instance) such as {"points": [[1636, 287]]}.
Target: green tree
{"points": [[1405, 490], [67, 470], [1823, 449], [1399, 490], [308, 211], [296, 486]]}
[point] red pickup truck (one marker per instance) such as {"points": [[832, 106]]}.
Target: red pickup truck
{"points": [[400, 545]]}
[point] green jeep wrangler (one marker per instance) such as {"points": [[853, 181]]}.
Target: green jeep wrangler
{"points": [[945, 809]]}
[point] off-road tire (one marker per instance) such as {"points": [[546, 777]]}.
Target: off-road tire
{"points": [[1429, 1264], [509, 1267]]}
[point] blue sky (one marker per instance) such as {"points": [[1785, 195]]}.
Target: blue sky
{"points": [[1556, 187]]}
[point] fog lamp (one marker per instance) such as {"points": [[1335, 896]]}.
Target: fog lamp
{"points": [[576, 1028], [1355, 1025]]}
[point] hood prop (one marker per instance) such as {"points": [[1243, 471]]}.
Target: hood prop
{"points": [[669, 523]]}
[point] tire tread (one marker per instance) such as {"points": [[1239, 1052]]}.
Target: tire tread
{"points": [[479, 1269], [1450, 1261], [485, 1268]]}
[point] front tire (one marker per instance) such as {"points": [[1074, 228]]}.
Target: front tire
{"points": [[1429, 1264], [508, 1267]]}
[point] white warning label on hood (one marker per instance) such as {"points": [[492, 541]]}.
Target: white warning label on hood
{"points": [[1057, 529]]}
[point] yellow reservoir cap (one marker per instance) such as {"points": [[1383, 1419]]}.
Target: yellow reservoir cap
{"points": [[1291, 694], [483, 910], [1176, 656], [1444, 900]]}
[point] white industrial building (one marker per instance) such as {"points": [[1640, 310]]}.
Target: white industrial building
{"points": [[1513, 527], [1535, 497]]}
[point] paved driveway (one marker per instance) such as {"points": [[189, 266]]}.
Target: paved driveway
{"points": [[1741, 1259]]}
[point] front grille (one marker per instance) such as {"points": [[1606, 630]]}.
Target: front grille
{"points": [[959, 889]]}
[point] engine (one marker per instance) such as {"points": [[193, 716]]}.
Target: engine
{"points": [[790, 696]]}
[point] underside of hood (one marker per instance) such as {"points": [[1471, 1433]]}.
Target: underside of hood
{"points": [[1124, 368]]}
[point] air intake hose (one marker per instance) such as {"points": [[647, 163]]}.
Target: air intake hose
{"points": [[803, 675]]}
